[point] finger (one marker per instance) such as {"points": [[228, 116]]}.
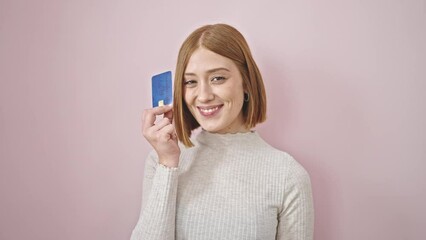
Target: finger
{"points": [[148, 119], [158, 126], [174, 136], [161, 109], [167, 132], [149, 115]]}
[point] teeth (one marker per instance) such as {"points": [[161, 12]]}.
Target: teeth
{"points": [[209, 110]]}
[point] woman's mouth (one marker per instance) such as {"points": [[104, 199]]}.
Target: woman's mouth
{"points": [[209, 111]]}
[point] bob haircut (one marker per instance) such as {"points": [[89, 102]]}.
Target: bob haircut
{"points": [[227, 41]]}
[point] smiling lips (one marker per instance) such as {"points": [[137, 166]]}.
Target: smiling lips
{"points": [[209, 111]]}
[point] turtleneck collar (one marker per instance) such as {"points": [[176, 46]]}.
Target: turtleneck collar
{"points": [[239, 138]]}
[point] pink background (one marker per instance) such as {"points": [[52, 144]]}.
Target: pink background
{"points": [[345, 80]]}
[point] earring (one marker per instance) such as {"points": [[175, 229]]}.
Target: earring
{"points": [[246, 96]]}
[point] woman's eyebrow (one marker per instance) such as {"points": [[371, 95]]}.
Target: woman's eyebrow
{"points": [[208, 71]]}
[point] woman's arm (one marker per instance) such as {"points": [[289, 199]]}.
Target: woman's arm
{"points": [[157, 217], [296, 219]]}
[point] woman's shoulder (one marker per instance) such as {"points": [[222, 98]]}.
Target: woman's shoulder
{"points": [[283, 159]]}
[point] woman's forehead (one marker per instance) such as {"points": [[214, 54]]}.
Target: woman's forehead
{"points": [[205, 61]]}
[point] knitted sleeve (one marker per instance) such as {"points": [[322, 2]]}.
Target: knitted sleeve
{"points": [[157, 217], [296, 219]]}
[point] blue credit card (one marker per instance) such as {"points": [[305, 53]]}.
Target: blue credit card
{"points": [[162, 89]]}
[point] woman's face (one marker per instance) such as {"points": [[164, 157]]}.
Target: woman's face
{"points": [[213, 92]]}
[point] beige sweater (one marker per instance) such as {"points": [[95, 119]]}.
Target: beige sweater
{"points": [[229, 186]]}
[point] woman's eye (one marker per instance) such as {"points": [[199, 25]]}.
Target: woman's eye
{"points": [[219, 78], [190, 83]]}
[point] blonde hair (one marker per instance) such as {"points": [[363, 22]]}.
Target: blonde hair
{"points": [[227, 41]]}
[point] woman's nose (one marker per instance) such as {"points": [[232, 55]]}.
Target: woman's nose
{"points": [[205, 93]]}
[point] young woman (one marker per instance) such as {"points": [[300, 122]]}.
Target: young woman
{"points": [[226, 182]]}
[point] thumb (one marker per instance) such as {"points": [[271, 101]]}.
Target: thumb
{"points": [[169, 115]]}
